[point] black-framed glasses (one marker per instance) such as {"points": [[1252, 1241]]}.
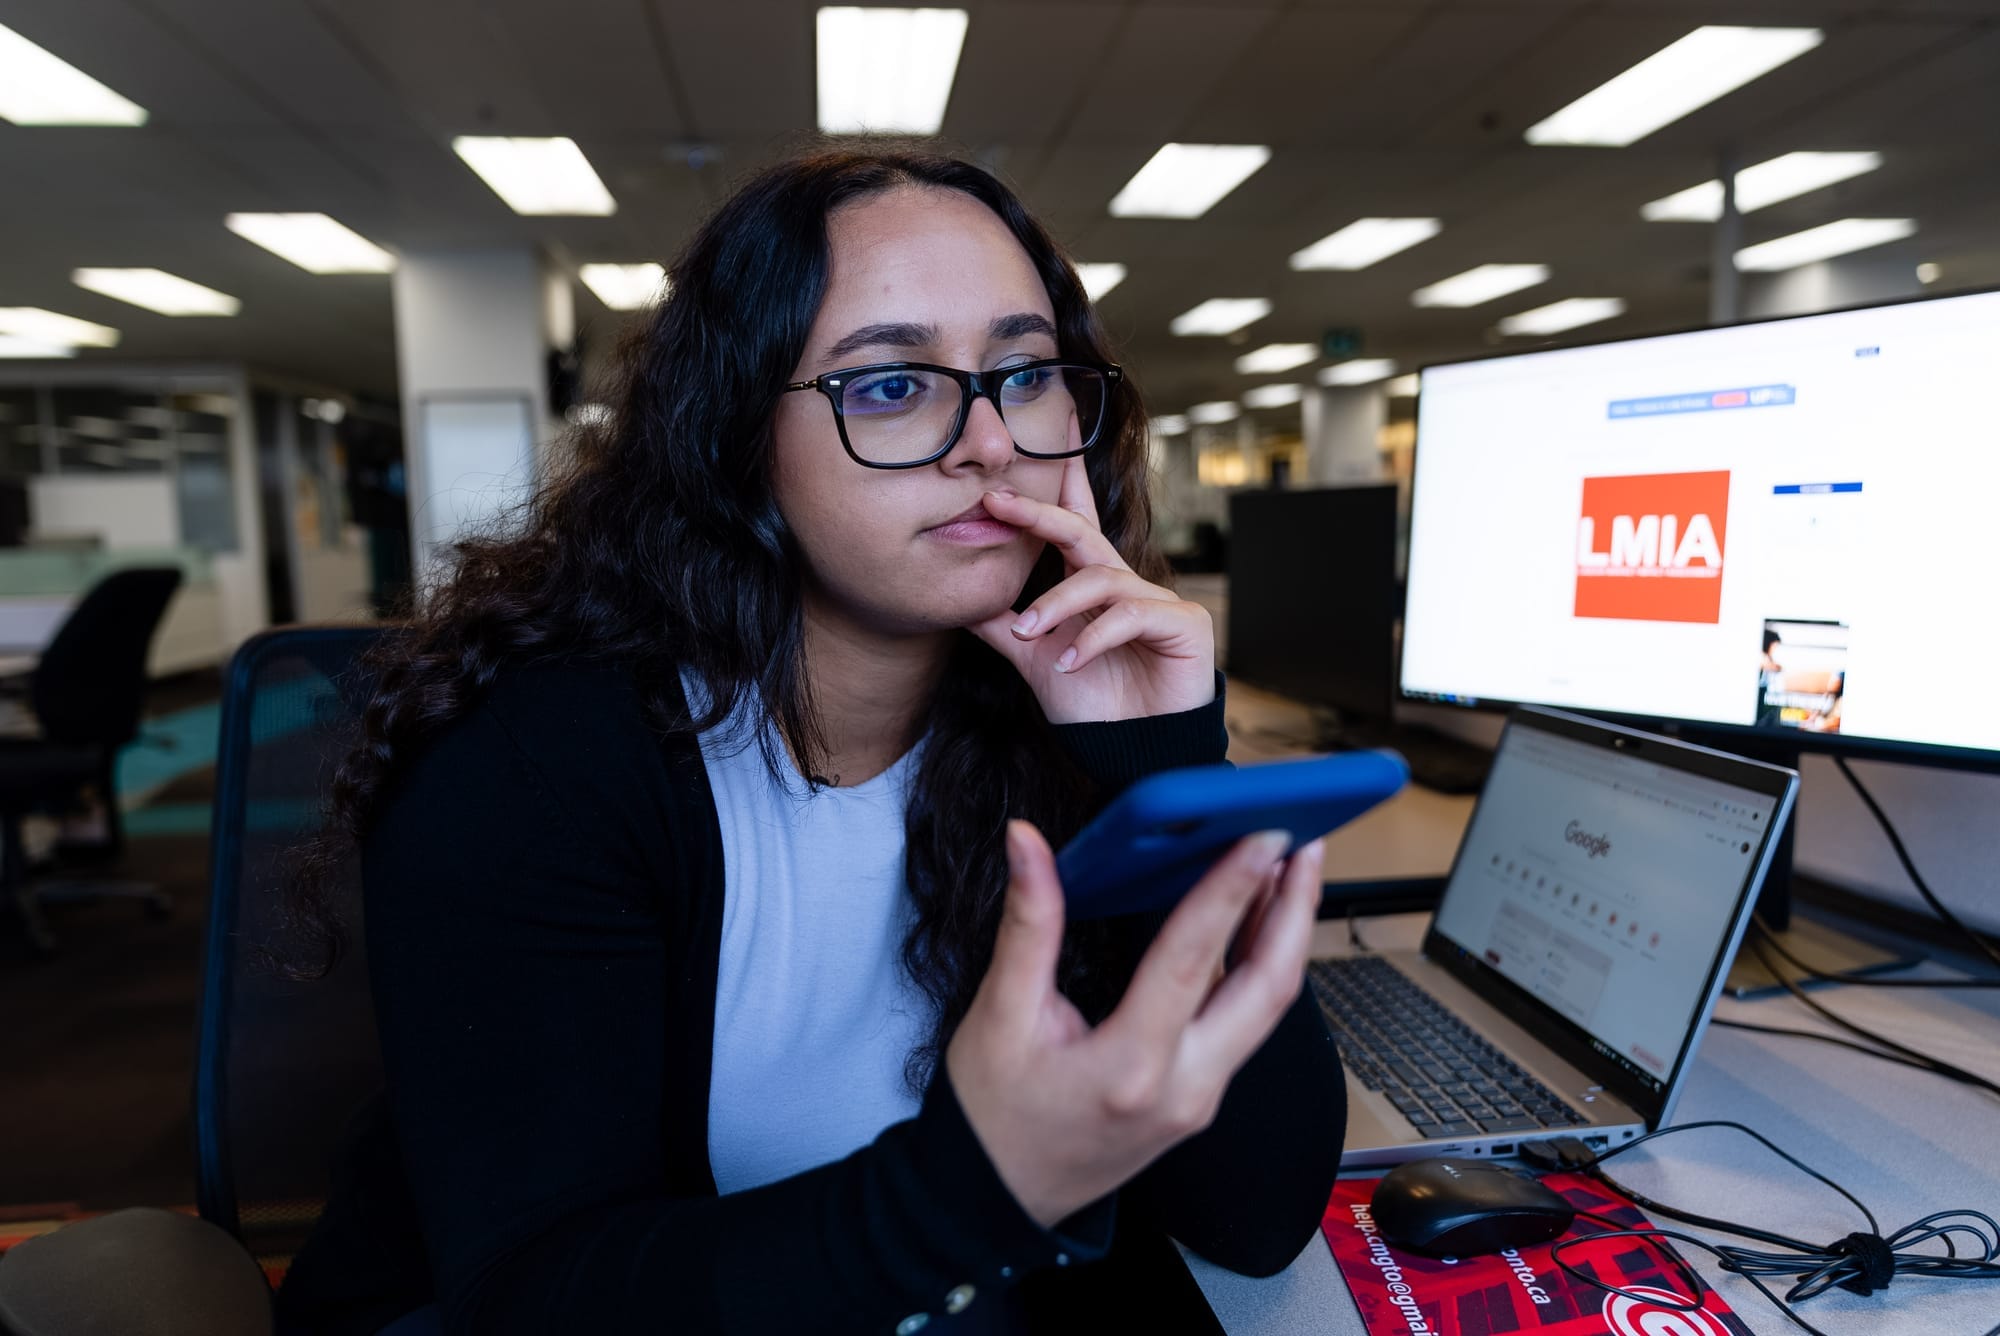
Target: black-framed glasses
{"points": [[903, 415]]}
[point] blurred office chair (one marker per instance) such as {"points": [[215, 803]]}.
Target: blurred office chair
{"points": [[281, 1066], [87, 690]]}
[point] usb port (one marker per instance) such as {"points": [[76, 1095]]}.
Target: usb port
{"points": [[1504, 1148]]}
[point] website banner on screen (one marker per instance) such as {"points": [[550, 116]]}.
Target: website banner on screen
{"points": [[1787, 525]]}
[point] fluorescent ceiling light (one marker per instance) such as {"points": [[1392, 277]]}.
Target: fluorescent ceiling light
{"points": [[1169, 424], [1273, 396], [1361, 371], [1475, 287], [37, 88], [1559, 316], [1821, 243], [1099, 279], [537, 176], [1186, 180], [13, 345], [1766, 183], [1214, 412], [887, 71], [1364, 241], [625, 287], [1220, 315], [1403, 387], [156, 290], [1275, 357], [33, 323], [1670, 83], [312, 241]]}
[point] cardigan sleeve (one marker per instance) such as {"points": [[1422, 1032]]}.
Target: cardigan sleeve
{"points": [[522, 959], [1249, 1192]]}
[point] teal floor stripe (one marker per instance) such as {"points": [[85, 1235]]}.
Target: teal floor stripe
{"points": [[184, 742], [170, 746], [278, 814]]}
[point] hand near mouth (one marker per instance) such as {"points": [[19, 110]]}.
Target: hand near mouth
{"points": [[1104, 643]]}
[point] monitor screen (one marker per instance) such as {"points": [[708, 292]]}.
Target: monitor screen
{"points": [[1782, 526], [1312, 595]]}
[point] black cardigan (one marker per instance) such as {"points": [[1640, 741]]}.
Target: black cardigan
{"points": [[543, 918]]}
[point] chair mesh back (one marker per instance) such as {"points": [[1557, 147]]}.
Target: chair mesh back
{"points": [[283, 1064]]}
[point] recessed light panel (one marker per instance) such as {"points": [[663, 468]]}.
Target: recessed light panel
{"points": [[1364, 242], [1823, 243], [1186, 180], [156, 290], [1475, 287], [1220, 315], [547, 177], [1670, 83], [38, 87], [313, 242], [887, 71]]}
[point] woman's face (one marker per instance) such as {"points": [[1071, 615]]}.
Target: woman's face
{"points": [[917, 275]]}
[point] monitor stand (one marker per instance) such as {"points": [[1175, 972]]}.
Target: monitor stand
{"points": [[1823, 948]]}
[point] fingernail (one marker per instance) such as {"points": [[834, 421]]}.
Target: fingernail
{"points": [[1269, 845], [1002, 494], [1067, 661], [1027, 622]]}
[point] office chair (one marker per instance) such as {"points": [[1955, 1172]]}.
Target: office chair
{"points": [[86, 692], [281, 1067]]}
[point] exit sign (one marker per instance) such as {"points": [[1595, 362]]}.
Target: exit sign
{"points": [[1344, 341]]}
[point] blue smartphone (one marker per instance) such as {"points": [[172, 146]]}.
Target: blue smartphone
{"points": [[1162, 835]]}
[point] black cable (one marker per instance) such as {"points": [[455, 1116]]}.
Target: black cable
{"points": [[1825, 1039], [1938, 1065], [1354, 934], [1860, 1262], [1864, 980], [1978, 940]]}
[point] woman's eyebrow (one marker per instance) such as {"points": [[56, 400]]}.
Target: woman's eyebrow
{"points": [[1020, 325], [893, 334]]}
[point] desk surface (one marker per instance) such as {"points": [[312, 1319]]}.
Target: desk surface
{"points": [[1905, 1142]]}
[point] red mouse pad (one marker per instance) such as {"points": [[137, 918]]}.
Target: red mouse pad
{"points": [[1402, 1294]]}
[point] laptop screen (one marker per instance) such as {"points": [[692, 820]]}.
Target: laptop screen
{"points": [[1605, 885]]}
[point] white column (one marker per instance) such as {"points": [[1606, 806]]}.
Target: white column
{"points": [[1725, 291], [473, 332], [1343, 431]]}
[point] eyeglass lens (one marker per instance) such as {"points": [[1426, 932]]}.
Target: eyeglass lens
{"points": [[902, 416]]}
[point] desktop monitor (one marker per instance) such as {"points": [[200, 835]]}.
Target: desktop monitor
{"points": [[1778, 533], [1312, 595]]}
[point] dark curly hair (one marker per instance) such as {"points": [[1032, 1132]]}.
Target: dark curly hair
{"points": [[656, 543]]}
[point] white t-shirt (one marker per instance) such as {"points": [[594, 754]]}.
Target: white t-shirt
{"points": [[814, 1015]]}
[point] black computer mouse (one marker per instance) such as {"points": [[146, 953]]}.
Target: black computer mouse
{"points": [[1464, 1208]]}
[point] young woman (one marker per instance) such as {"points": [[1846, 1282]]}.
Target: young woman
{"points": [[705, 823]]}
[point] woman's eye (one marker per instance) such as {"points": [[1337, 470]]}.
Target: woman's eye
{"points": [[887, 391], [1027, 384]]}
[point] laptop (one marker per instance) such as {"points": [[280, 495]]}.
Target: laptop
{"points": [[1605, 880]]}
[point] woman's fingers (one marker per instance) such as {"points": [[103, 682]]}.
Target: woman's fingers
{"points": [[1252, 997], [1178, 970], [1087, 590], [1176, 630], [1031, 928], [1077, 536], [1076, 494]]}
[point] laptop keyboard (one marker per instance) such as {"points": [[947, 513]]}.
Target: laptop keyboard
{"points": [[1396, 1038]]}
